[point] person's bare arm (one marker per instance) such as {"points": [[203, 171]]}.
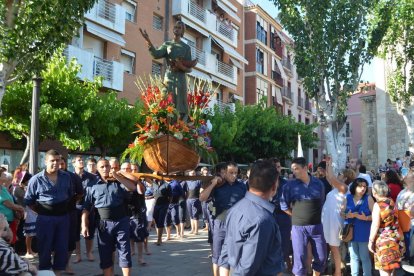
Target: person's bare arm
{"points": [[205, 193], [129, 184]]}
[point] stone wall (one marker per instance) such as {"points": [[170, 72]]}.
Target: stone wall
{"points": [[396, 132], [369, 131]]}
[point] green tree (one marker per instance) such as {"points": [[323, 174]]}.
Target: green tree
{"points": [[398, 50], [333, 40], [255, 131], [30, 32], [65, 106], [113, 122]]}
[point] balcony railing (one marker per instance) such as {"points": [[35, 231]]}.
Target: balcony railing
{"points": [[286, 63], [109, 15], [225, 69], [287, 92], [308, 106], [112, 72], [107, 10], [277, 77], [225, 29], [199, 54], [300, 102], [221, 105], [198, 12], [205, 20], [103, 68]]}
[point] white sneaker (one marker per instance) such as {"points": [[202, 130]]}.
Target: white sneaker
{"points": [[29, 256]]}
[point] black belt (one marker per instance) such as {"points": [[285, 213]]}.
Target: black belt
{"points": [[57, 209], [149, 197], [112, 213]]}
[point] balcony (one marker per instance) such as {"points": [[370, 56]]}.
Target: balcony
{"points": [[107, 14], [112, 72], [198, 54], [308, 106], [225, 69], [205, 20], [286, 63], [300, 102], [221, 105], [287, 93], [277, 77]]}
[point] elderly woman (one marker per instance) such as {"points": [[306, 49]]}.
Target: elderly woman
{"points": [[386, 239], [358, 207], [10, 262]]}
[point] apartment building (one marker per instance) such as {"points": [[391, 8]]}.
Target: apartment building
{"points": [[110, 44], [270, 73]]}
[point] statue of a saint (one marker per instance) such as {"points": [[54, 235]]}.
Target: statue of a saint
{"points": [[179, 62]]}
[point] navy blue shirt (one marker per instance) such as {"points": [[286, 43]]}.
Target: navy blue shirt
{"points": [[194, 187], [42, 190], [225, 196], [296, 190], [253, 244], [88, 180], [276, 199], [105, 195]]}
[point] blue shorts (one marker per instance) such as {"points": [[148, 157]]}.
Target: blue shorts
{"points": [[160, 213], [173, 216], [114, 235], [194, 208], [138, 228]]}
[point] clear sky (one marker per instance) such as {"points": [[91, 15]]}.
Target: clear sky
{"points": [[269, 6]]}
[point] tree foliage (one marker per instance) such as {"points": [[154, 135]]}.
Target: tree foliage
{"points": [[31, 31], [333, 39], [398, 47], [254, 131], [71, 111]]}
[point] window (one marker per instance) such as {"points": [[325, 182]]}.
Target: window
{"points": [[130, 10], [348, 148], [157, 22], [289, 112], [156, 69], [300, 118], [261, 87], [128, 60], [307, 121], [259, 61], [348, 130], [261, 30]]}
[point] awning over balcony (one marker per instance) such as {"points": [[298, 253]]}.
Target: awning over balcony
{"points": [[282, 71], [194, 26], [229, 11], [200, 75], [277, 93], [236, 63], [229, 50], [223, 82], [105, 33]]}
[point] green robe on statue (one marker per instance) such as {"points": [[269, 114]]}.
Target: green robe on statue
{"points": [[175, 81]]}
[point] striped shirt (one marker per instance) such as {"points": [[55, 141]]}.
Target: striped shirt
{"points": [[10, 262]]}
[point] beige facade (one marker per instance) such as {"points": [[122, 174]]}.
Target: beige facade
{"points": [[110, 44], [271, 72]]}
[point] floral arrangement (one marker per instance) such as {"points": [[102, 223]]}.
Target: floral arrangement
{"points": [[162, 118]]}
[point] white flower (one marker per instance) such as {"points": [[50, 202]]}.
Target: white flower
{"points": [[178, 135]]}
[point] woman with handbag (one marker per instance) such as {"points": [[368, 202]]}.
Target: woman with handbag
{"points": [[358, 207], [386, 239], [331, 212]]}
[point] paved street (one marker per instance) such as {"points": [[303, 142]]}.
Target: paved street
{"points": [[175, 257]]}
